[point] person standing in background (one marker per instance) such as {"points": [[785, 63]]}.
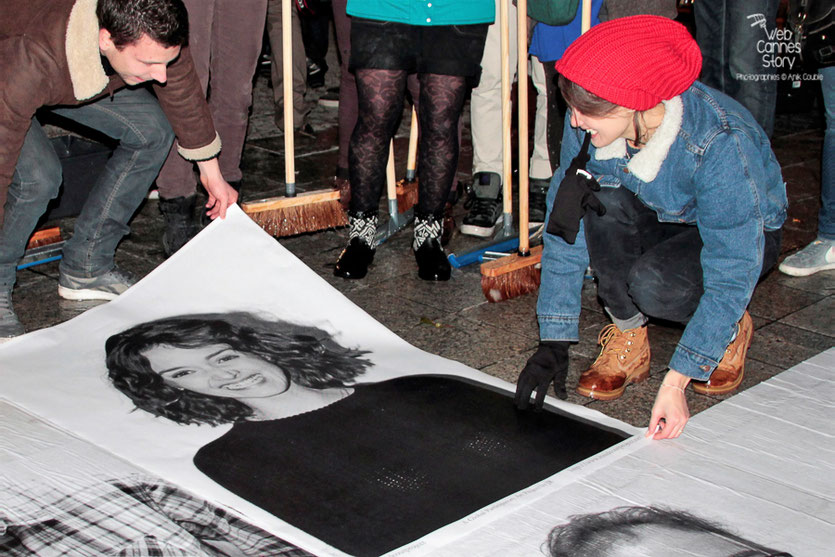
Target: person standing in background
{"points": [[225, 42]]}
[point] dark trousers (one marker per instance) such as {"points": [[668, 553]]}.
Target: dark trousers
{"points": [[556, 114], [646, 266]]}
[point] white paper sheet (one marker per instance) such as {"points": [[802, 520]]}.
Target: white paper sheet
{"points": [[59, 373]]}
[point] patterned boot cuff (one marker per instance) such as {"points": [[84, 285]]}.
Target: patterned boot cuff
{"points": [[427, 227], [363, 226]]}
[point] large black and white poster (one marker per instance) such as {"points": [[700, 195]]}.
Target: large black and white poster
{"points": [[234, 372]]}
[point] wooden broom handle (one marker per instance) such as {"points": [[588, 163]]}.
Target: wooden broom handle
{"points": [[287, 67], [505, 67], [585, 20], [522, 97], [411, 158], [391, 185]]}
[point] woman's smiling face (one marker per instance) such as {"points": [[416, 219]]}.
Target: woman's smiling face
{"points": [[605, 129], [217, 370]]}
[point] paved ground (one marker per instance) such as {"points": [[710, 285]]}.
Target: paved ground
{"points": [[793, 316]]}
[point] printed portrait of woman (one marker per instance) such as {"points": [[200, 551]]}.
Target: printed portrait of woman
{"points": [[364, 467]]}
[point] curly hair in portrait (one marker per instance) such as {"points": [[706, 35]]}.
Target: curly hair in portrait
{"points": [[592, 534], [307, 355]]}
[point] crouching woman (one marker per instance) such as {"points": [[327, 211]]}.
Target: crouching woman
{"points": [[687, 203]]}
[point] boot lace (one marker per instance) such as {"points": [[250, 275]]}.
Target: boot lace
{"points": [[614, 341]]}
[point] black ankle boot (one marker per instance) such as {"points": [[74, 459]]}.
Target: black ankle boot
{"points": [[180, 226], [354, 261], [430, 256], [432, 261]]}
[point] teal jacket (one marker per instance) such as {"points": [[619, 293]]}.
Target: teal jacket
{"points": [[425, 12]]}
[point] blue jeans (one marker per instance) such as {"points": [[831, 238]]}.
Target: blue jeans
{"points": [[134, 118], [826, 217], [728, 42], [648, 267]]}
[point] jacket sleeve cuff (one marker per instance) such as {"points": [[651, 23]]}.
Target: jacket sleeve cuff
{"points": [[694, 366], [559, 327], [205, 153]]}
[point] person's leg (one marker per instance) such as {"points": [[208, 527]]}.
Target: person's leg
{"points": [[135, 119], [744, 32], [299, 65], [380, 96], [315, 35], [667, 283], [486, 129], [711, 35], [36, 180], [347, 114], [441, 101], [237, 32], [556, 114], [616, 241], [539, 176], [540, 165], [486, 98], [826, 217], [820, 254], [176, 178], [176, 181]]}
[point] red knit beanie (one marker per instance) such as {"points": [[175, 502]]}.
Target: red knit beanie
{"points": [[634, 62]]}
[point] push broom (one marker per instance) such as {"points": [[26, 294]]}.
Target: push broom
{"points": [[505, 239], [519, 274], [294, 213], [44, 246]]}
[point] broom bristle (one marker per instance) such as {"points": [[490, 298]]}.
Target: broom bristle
{"points": [[511, 276], [287, 217], [407, 195], [43, 237], [511, 285]]}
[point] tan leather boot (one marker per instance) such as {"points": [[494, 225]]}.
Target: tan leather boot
{"points": [[623, 359], [728, 374]]}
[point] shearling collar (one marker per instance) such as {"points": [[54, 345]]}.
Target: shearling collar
{"points": [[83, 55], [647, 162]]}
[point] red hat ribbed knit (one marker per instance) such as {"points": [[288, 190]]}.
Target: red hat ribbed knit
{"points": [[634, 62]]}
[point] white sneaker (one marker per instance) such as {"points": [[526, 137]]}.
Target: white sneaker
{"points": [[103, 287], [817, 256]]}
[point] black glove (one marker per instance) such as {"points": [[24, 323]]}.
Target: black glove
{"points": [[574, 197], [549, 363]]}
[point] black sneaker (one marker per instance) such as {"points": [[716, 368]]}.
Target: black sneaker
{"points": [[316, 74], [484, 205], [330, 98], [537, 192]]}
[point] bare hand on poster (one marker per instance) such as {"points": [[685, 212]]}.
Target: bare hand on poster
{"points": [[221, 194], [549, 363], [670, 412]]}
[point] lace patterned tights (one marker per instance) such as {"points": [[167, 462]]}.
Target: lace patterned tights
{"points": [[381, 95]]}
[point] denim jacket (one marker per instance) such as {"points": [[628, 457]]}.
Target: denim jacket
{"points": [[709, 165]]}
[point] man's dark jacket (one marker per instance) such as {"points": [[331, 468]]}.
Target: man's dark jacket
{"points": [[49, 56]]}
